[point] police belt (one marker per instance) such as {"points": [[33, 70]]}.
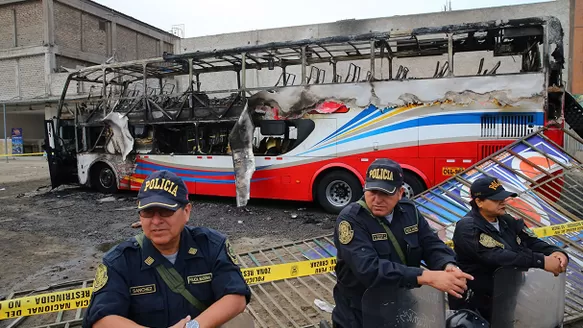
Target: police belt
{"points": [[174, 280]]}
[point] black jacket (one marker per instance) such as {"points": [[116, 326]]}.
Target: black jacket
{"points": [[481, 249], [366, 256]]}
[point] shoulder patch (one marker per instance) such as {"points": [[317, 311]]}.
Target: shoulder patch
{"points": [[100, 277], [529, 232], [231, 252], [345, 232], [488, 241]]}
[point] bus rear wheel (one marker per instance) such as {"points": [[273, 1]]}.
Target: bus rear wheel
{"points": [[103, 178], [337, 189]]}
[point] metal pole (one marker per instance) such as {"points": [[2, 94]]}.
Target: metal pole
{"points": [[5, 137]]}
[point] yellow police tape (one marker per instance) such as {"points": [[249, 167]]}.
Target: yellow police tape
{"points": [[79, 298], [25, 154], [549, 231], [45, 303]]}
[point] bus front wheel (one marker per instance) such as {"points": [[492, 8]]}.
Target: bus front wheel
{"points": [[412, 184], [103, 178], [336, 189]]}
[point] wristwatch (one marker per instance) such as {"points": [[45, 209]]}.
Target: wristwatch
{"points": [[192, 324]]}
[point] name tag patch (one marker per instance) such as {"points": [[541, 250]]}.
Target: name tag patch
{"points": [[379, 236], [141, 290], [411, 229], [199, 278]]}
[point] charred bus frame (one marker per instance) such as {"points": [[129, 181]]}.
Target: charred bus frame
{"points": [[154, 106]]}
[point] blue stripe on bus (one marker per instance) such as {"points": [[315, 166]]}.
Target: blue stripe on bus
{"points": [[203, 180], [447, 119], [184, 171]]}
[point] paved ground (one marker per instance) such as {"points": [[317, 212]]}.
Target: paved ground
{"points": [[51, 236]]}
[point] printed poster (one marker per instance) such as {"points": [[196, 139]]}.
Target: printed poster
{"points": [[17, 147]]}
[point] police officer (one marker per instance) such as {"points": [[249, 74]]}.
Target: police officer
{"points": [[171, 274], [487, 238], [381, 241]]}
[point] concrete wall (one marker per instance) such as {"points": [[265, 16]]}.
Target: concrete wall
{"points": [[464, 64]]}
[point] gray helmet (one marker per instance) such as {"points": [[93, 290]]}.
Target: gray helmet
{"points": [[466, 319]]}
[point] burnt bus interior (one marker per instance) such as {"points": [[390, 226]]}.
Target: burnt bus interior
{"points": [[170, 110]]}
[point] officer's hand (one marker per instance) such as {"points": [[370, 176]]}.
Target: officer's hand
{"points": [[452, 268], [181, 323], [553, 264], [562, 258], [453, 283]]}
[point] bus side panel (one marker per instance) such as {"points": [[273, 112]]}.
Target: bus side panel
{"points": [[288, 176]]}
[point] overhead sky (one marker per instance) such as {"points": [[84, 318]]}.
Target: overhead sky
{"points": [[206, 17]]}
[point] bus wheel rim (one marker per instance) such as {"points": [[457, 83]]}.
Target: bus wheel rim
{"points": [[409, 193], [338, 193], [106, 177]]}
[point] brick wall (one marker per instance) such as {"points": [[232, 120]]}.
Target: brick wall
{"points": [[29, 24], [28, 18], [22, 77], [126, 44], [147, 46], [168, 47], [67, 26], [31, 76], [8, 86], [6, 27], [94, 35]]}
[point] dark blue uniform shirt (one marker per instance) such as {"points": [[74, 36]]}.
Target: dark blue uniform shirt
{"points": [[366, 256], [481, 249], [132, 288]]}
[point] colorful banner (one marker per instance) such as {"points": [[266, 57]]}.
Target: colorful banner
{"points": [[17, 144]]}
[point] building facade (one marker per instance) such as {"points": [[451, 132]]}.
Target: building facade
{"points": [[40, 40]]}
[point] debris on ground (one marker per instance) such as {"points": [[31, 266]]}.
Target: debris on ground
{"points": [[44, 228], [323, 305], [107, 199]]}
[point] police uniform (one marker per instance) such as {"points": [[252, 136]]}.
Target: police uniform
{"points": [[367, 254], [129, 281], [481, 248]]}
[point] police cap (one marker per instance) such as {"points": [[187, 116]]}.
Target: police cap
{"points": [[489, 188], [384, 175], [162, 189]]}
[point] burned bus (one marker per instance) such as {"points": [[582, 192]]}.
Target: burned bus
{"points": [[302, 119]]}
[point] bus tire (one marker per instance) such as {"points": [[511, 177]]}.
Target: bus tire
{"points": [[413, 184], [103, 178], [336, 189]]}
